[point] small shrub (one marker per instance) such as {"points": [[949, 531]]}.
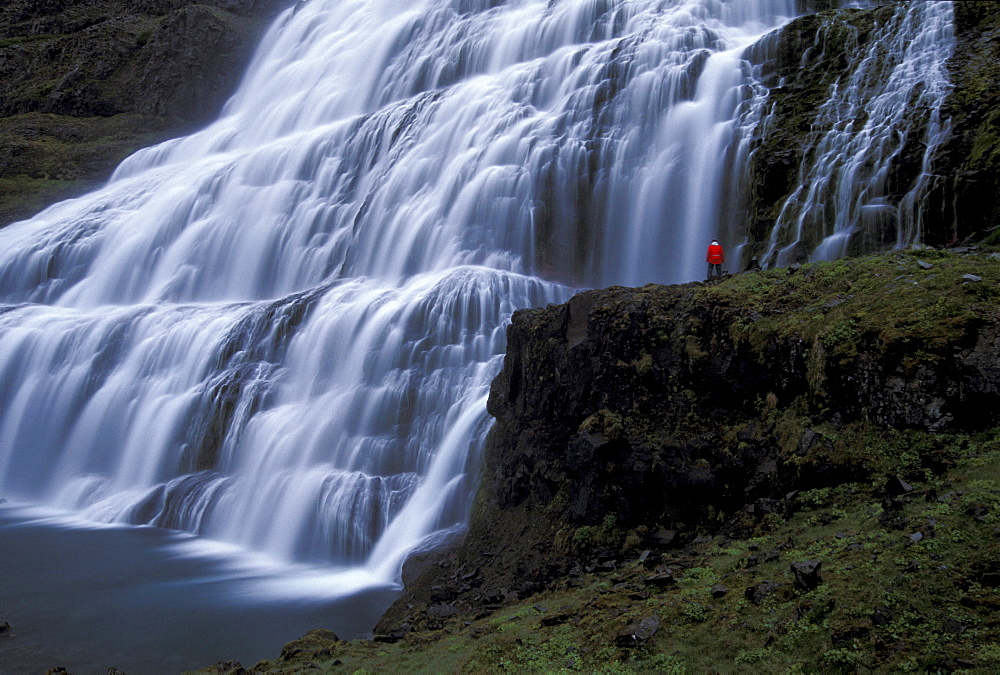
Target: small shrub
{"points": [[843, 659], [752, 656], [694, 612]]}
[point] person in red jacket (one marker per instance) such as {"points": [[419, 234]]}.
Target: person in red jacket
{"points": [[715, 258]]}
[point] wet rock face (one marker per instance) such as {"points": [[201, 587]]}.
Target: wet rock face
{"points": [[802, 61], [969, 161]]}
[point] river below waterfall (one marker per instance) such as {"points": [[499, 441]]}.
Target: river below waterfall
{"points": [[148, 600]]}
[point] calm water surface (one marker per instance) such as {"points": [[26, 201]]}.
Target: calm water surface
{"points": [[146, 600]]}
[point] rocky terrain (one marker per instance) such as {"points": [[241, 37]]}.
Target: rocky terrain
{"points": [[84, 83], [793, 469]]}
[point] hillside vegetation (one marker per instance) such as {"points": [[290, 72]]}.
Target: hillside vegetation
{"points": [[793, 470]]}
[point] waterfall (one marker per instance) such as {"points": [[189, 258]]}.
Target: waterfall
{"points": [[886, 105], [280, 331]]}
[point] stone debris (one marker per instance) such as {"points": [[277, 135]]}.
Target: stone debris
{"points": [[395, 635], [663, 579], [555, 619], [758, 593], [807, 574], [882, 616], [638, 633], [896, 486]]}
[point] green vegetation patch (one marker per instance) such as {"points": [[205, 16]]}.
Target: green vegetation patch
{"points": [[916, 298], [907, 583], [45, 158]]}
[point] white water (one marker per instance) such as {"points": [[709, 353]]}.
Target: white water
{"points": [[280, 332], [893, 90]]}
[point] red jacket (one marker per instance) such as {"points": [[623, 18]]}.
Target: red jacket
{"points": [[715, 256]]}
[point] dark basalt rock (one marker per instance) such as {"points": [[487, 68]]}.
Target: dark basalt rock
{"points": [[968, 163], [807, 574], [719, 591], [638, 633], [639, 411], [896, 486], [882, 616], [758, 593]]}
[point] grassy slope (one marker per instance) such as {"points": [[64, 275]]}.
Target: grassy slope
{"points": [[887, 603], [889, 600]]}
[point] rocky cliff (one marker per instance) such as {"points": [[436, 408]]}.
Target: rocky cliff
{"points": [[84, 84], [791, 469], [683, 408], [969, 164], [819, 53]]}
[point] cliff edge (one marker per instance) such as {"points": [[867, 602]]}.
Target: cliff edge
{"points": [[789, 470]]}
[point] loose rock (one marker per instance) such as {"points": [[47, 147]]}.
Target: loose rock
{"points": [[896, 486], [807, 574], [760, 592], [663, 579], [882, 616], [638, 633]]}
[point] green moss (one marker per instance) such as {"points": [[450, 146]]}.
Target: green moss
{"points": [[24, 39], [54, 157], [884, 300], [888, 602]]}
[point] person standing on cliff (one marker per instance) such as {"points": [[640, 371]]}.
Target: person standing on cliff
{"points": [[715, 258]]}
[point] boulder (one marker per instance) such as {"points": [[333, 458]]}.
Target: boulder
{"points": [[758, 593], [896, 486], [639, 632], [807, 574]]}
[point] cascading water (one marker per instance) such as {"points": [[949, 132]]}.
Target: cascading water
{"points": [[280, 331], [890, 98]]}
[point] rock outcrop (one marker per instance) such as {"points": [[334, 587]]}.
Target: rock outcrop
{"points": [[815, 54], [969, 164], [644, 418]]}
